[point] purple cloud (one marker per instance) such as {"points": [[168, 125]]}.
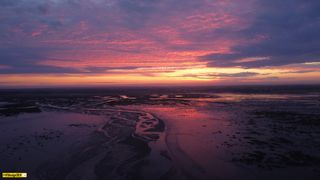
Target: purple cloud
{"points": [[287, 32]]}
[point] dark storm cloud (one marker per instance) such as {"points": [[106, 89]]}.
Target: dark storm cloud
{"points": [[286, 31]]}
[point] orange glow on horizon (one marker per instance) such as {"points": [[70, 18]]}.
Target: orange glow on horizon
{"points": [[189, 76]]}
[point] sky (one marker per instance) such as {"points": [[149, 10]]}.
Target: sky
{"points": [[158, 42]]}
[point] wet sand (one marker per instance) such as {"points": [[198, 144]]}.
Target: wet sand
{"points": [[175, 135], [207, 142], [101, 144]]}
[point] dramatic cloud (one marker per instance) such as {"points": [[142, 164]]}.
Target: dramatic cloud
{"points": [[283, 32], [79, 33], [157, 39]]}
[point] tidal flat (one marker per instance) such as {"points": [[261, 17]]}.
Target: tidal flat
{"points": [[261, 132]]}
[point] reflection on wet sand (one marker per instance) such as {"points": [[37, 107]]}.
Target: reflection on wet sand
{"points": [[163, 135], [190, 140]]}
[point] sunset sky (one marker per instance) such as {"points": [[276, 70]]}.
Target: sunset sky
{"points": [[158, 42]]}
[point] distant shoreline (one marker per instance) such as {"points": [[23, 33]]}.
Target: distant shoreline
{"points": [[291, 88]]}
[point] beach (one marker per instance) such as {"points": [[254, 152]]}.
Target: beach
{"points": [[168, 134]]}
